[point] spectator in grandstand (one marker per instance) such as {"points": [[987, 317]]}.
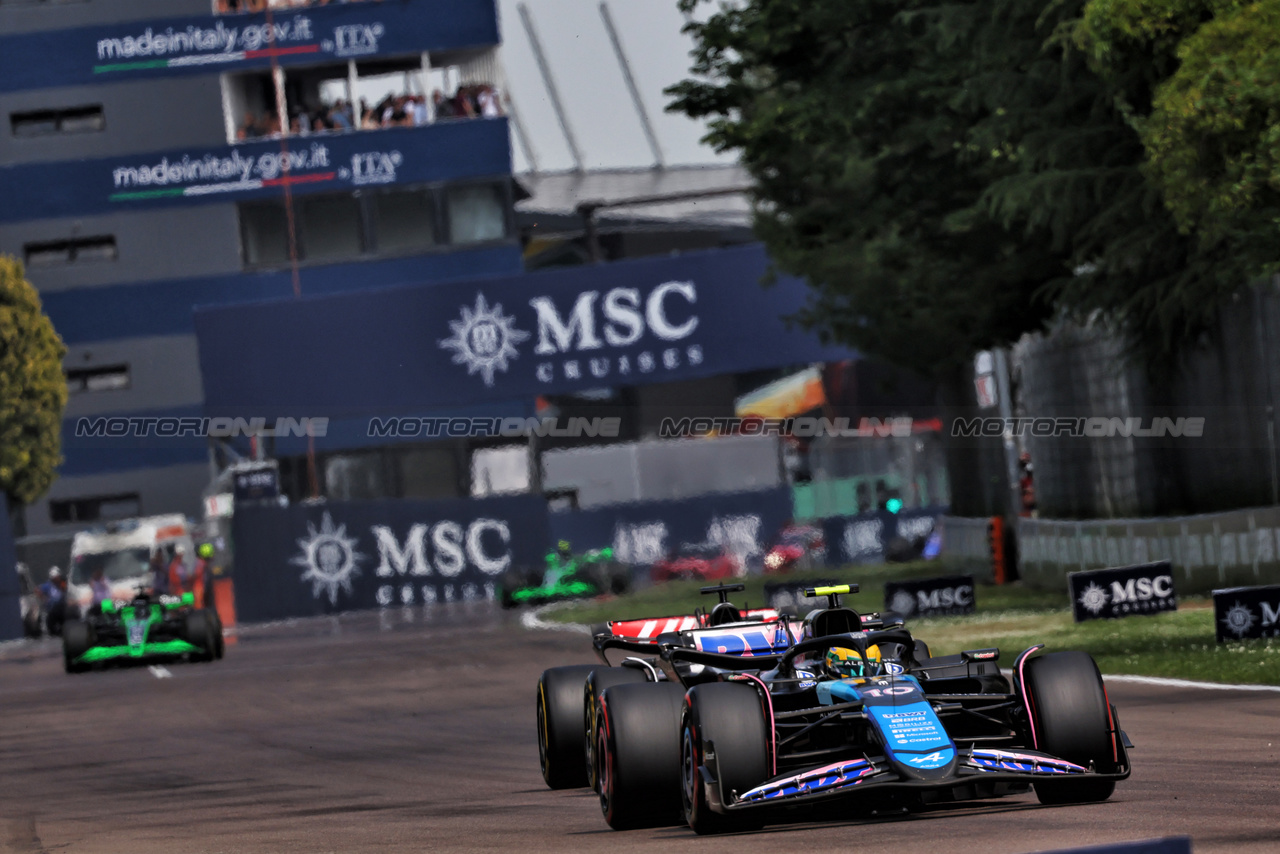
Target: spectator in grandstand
{"points": [[443, 105], [490, 105]]}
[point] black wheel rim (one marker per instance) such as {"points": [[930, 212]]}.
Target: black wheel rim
{"points": [[605, 771], [689, 774]]}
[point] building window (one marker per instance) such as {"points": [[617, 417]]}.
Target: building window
{"points": [[108, 378], [72, 251], [476, 214], [404, 220], [330, 227], [264, 228], [400, 221], [100, 508], [67, 120]]}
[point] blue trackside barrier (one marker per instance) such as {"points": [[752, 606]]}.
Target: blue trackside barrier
{"points": [[308, 560], [642, 532], [1167, 845]]}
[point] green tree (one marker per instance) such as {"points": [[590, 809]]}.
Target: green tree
{"points": [[1212, 130], [33, 390], [949, 176]]}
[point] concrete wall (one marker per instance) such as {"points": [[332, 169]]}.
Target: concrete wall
{"points": [[144, 115], [174, 489], [151, 246]]}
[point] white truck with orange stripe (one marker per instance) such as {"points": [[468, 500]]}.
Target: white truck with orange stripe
{"points": [[123, 551]]}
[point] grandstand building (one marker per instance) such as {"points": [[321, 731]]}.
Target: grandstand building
{"points": [[160, 155]]}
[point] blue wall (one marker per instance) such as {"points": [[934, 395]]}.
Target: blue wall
{"points": [[165, 307]]}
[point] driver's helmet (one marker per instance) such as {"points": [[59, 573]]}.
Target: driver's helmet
{"points": [[848, 663], [205, 550], [564, 548]]}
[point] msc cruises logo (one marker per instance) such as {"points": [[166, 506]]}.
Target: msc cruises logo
{"points": [[484, 339], [329, 557]]}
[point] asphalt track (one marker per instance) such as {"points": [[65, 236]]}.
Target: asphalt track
{"points": [[414, 731]]}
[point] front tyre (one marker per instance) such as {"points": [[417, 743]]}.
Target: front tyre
{"points": [[77, 639], [638, 754], [1071, 719], [198, 630], [560, 741], [730, 717]]}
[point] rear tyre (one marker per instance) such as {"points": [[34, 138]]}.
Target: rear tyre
{"points": [[197, 630], [600, 679], [728, 716], [638, 750], [560, 750], [1072, 720], [77, 639]]}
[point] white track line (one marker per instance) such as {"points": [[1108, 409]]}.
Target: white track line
{"points": [[532, 619], [1187, 683], [159, 671]]}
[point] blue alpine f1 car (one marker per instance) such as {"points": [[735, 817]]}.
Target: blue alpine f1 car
{"points": [[855, 713]]}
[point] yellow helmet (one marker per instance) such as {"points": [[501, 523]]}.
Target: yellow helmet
{"points": [[850, 663]]}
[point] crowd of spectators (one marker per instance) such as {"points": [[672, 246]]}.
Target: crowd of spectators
{"points": [[225, 7], [476, 101]]}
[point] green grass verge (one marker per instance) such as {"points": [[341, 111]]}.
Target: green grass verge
{"points": [[1178, 645]]}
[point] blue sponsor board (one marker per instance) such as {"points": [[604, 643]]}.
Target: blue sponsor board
{"points": [[561, 331], [206, 44], [1122, 591], [1167, 845], [867, 537], [946, 596], [307, 560], [645, 531], [445, 151], [1241, 613]]}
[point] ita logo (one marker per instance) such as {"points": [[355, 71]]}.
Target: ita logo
{"points": [[484, 339], [329, 558]]}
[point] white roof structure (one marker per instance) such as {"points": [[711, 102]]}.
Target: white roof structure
{"points": [[585, 79]]}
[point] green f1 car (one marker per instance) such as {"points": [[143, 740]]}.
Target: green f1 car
{"points": [[144, 631], [566, 576]]}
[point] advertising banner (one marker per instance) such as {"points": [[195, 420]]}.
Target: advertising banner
{"points": [[560, 331], [1246, 612], [336, 33], [1122, 591], [640, 533], [307, 560], [446, 151], [946, 596], [865, 538]]}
